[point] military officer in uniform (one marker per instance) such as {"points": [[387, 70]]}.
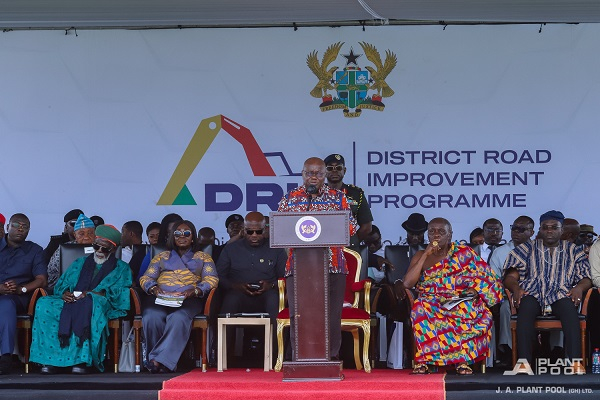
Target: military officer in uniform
{"points": [[336, 169]]}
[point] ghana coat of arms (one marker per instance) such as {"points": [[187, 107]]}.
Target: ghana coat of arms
{"points": [[350, 85]]}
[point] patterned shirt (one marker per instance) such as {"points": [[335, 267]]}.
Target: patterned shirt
{"points": [[177, 274], [327, 199], [545, 274]]}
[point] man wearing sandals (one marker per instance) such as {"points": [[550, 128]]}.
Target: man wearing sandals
{"points": [[451, 335], [548, 273]]}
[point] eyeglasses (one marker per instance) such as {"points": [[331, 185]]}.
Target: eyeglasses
{"points": [[101, 248], [433, 231], [338, 167], [187, 233], [519, 229], [318, 174], [72, 222], [251, 232], [18, 225], [491, 230]]}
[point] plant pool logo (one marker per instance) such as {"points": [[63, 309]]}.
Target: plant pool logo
{"points": [[308, 229], [177, 193]]}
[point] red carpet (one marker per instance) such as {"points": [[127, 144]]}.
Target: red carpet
{"points": [[238, 384]]}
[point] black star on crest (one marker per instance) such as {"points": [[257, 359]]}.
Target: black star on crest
{"points": [[351, 58]]}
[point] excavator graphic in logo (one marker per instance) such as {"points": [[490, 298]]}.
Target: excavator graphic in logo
{"points": [[177, 193]]}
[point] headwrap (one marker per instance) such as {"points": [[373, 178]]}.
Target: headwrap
{"points": [[83, 222], [109, 233], [2, 219], [553, 214]]}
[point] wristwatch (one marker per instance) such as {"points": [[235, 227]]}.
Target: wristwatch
{"points": [[196, 292], [23, 289]]}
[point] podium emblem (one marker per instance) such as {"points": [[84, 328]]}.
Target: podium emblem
{"points": [[308, 228]]}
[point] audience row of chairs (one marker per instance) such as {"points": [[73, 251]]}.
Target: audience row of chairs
{"points": [[355, 319]]}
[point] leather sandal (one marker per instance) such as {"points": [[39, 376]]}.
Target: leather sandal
{"points": [[420, 369], [463, 369]]}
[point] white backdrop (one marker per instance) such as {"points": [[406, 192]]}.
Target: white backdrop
{"points": [[99, 121]]}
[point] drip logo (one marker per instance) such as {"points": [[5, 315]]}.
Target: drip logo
{"points": [[269, 193]]}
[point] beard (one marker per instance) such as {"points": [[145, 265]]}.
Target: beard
{"points": [[100, 258]]}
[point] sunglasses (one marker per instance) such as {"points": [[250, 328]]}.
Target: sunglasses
{"points": [[72, 222], [18, 225], [339, 167], [187, 233], [101, 249], [251, 232], [586, 235], [519, 229]]}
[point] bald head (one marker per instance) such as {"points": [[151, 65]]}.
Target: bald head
{"points": [[313, 173], [570, 230], [444, 221], [254, 216], [254, 225]]}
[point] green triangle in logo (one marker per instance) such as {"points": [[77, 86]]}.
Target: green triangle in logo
{"points": [[184, 198]]}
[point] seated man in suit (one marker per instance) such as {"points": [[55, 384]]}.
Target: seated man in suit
{"points": [[248, 271], [22, 270], [70, 327]]}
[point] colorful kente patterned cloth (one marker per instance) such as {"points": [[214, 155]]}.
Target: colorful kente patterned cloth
{"points": [[461, 334], [175, 274], [326, 199]]}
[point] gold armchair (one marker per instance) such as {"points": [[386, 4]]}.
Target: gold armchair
{"points": [[354, 318]]}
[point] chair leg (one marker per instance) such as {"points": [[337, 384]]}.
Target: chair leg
{"points": [[115, 349], [138, 344], [27, 347], [513, 331], [356, 349], [366, 340], [279, 363], [583, 345], [203, 350]]}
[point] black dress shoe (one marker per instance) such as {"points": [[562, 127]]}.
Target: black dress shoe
{"points": [[5, 364], [48, 370], [80, 370]]}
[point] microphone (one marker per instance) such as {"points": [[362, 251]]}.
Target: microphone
{"points": [[310, 189]]}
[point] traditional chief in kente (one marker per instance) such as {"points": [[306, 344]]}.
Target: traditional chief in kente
{"points": [[451, 335]]}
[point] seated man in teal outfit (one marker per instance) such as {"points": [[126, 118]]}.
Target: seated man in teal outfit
{"points": [[70, 328]]}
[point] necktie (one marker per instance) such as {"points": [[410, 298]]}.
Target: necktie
{"points": [[492, 247]]}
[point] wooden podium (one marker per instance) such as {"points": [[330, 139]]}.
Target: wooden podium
{"points": [[310, 234]]}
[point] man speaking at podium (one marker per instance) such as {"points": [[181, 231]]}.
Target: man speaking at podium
{"points": [[314, 195]]}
